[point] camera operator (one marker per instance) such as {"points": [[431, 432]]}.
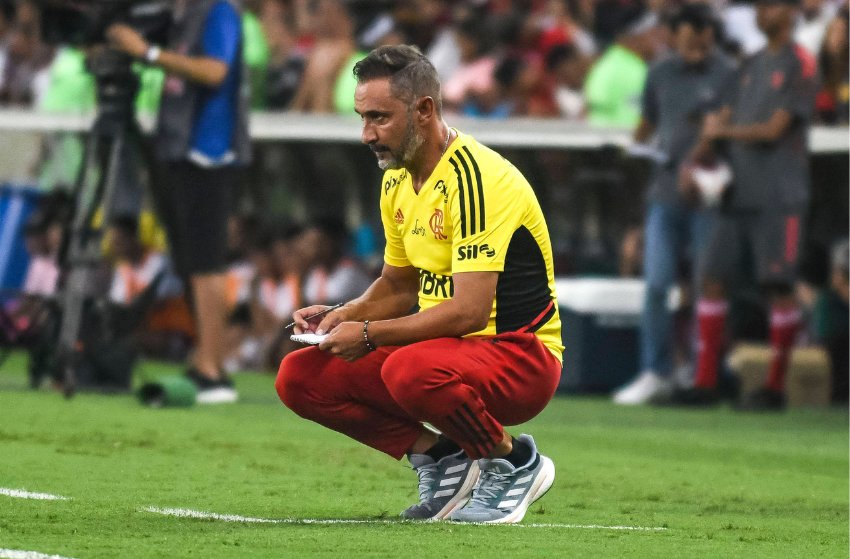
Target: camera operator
{"points": [[200, 145]]}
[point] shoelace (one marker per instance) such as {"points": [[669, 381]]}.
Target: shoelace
{"points": [[427, 476], [490, 487]]}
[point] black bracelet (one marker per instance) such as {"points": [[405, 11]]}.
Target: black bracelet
{"points": [[369, 344]]}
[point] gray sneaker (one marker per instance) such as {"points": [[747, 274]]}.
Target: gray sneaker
{"points": [[503, 493], [444, 486]]}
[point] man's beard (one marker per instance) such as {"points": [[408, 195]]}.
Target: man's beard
{"points": [[404, 155]]}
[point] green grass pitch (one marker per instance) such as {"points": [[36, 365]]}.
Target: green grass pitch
{"points": [[711, 483]]}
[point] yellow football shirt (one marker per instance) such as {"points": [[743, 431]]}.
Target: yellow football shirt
{"points": [[475, 213]]}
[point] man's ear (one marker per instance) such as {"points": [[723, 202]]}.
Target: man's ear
{"points": [[425, 109]]}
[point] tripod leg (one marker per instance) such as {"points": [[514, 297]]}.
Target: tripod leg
{"points": [[84, 255]]}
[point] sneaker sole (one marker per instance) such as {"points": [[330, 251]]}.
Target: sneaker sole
{"points": [[541, 485], [462, 496], [217, 396]]}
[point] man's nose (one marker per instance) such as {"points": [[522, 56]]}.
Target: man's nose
{"points": [[368, 134]]}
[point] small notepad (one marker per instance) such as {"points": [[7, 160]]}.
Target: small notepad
{"points": [[308, 338]]}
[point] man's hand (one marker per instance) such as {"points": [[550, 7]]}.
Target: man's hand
{"points": [[712, 127], [688, 188], [346, 341], [321, 322], [126, 39]]}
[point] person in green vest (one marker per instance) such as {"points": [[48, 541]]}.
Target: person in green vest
{"points": [[70, 89], [615, 82], [255, 53]]}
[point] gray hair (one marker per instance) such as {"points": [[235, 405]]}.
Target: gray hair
{"points": [[410, 72]]}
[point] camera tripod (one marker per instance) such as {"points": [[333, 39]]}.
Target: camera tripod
{"points": [[114, 132]]}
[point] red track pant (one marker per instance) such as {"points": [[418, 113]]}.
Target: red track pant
{"points": [[465, 387]]}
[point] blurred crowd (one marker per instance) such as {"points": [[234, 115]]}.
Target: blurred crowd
{"points": [[273, 270], [581, 60]]}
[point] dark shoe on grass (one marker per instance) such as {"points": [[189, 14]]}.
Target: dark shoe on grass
{"points": [[694, 397], [763, 399]]}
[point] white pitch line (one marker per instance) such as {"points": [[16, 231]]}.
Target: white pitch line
{"points": [[18, 554], [189, 513], [24, 494]]}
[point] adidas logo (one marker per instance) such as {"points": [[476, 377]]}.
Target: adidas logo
{"points": [[516, 492], [399, 217]]}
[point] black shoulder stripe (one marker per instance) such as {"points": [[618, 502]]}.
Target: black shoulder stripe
{"points": [[470, 191], [480, 188], [461, 196]]}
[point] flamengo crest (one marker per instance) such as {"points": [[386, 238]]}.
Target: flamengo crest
{"points": [[436, 223]]}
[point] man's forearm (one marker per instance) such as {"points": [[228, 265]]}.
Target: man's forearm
{"points": [[702, 151], [382, 300], [758, 132], [447, 320], [199, 69], [644, 131], [203, 70]]}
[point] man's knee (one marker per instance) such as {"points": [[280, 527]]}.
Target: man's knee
{"points": [[293, 380], [399, 374], [409, 379]]}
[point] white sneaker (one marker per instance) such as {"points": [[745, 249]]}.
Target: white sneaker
{"points": [[212, 391], [504, 493], [647, 387], [217, 395]]}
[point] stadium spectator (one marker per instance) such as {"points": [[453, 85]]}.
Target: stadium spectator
{"points": [[333, 277], [483, 349], [378, 28], [137, 268], [615, 81], [280, 266], [471, 89], [561, 20], [815, 17], [764, 126], [679, 91], [45, 234], [23, 69], [569, 68], [25, 313], [255, 52], [515, 85], [147, 311], [70, 89], [834, 96], [201, 143], [521, 76], [244, 233], [427, 24], [249, 321], [287, 55], [333, 28]]}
